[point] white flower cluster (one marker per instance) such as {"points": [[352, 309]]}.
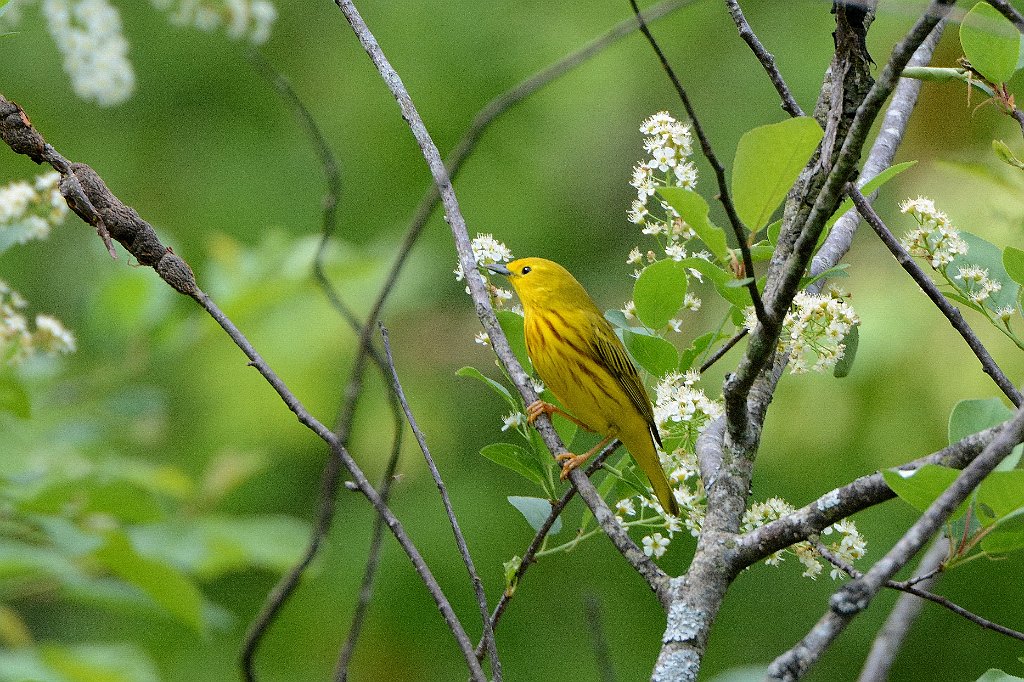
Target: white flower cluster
{"points": [[977, 285], [669, 145], [813, 330], [849, 547], [17, 341], [28, 211], [935, 239], [488, 250], [88, 35], [242, 19], [681, 410]]}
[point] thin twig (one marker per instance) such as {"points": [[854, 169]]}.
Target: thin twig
{"points": [[952, 313], [725, 348], [765, 57], [894, 631], [923, 594], [460, 540], [538, 539], [738, 228], [856, 595], [372, 562], [331, 475], [592, 613], [644, 566]]}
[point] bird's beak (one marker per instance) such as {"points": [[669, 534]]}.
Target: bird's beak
{"points": [[499, 269]]}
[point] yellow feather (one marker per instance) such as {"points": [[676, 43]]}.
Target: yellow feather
{"points": [[578, 356]]}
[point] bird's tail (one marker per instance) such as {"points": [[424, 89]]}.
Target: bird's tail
{"points": [[641, 447]]}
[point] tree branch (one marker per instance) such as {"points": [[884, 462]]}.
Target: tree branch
{"points": [[951, 312], [765, 57], [619, 537], [890, 638], [922, 594], [840, 503], [538, 540], [460, 540], [855, 596], [138, 237]]}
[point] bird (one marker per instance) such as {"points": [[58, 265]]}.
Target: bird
{"points": [[578, 356]]}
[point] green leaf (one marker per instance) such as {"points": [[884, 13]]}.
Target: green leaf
{"points": [[13, 396], [167, 586], [1013, 261], [1007, 535], [210, 546], [738, 296], [920, 487], [1002, 150], [845, 363], [519, 460], [653, 353], [536, 511], [1002, 492], [991, 43], [101, 662], [986, 255], [659, 292], [474, 373], [762, 250], [694, 210], [511, 567], [512, 324], [772, 232], [768, 161], [696, 349], [996, 675]]}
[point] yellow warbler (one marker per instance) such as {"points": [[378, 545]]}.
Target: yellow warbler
{"points": [[578, 356]]}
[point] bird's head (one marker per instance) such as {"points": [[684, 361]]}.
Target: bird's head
{"points": [[541, 283]]}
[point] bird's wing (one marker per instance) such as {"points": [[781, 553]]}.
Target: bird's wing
{"points": [[614, 357]]}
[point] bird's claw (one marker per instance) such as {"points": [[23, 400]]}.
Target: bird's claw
{"points": [[569, 462], [536, 409]]}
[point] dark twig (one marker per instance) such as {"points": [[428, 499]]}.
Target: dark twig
{"points": [[923, 594], [765, 57], [372, 560], [951, 312], [890, 638], [855, 596], [738, 228], [331, 475], [538, 540], [460, 540], [723, 349], [647, 569], [592, 612]]}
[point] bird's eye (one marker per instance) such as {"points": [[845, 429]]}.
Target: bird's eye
{"points": [[527, 269]]}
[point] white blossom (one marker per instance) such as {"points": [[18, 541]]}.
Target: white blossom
{"points": [[88, 35]]}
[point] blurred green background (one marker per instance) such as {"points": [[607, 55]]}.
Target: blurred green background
{"points": [[208, 153]]}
